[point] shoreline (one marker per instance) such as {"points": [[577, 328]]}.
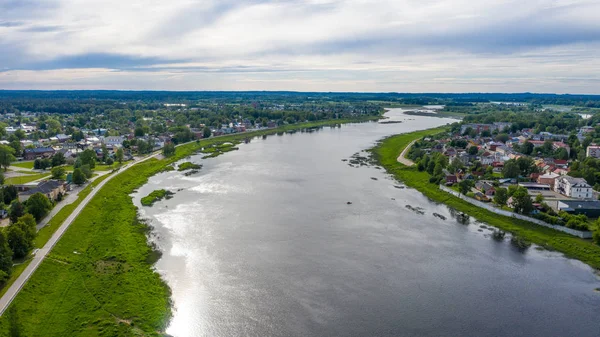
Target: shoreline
{"points": [[104, 240], [386, 153]]}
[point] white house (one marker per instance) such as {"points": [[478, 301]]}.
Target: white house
{"points": [[573, 187]]}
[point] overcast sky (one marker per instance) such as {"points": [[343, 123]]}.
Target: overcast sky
{"points": [[313, 45]]}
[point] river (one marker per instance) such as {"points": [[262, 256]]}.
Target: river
{"points": [[262, 242]]}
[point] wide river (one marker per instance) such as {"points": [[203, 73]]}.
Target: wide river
{"points": [[262, 242]]}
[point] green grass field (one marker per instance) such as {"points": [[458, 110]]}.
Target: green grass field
{"points": [[387, 153], [23, 164], [46, 232], [98, 279], [25, 179]]}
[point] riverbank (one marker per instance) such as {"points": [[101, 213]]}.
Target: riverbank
{"points": [[98, 280], [387, 153]]}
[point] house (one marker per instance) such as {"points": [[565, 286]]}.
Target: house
{"points": [[481, 197], [485, 187], [577, 188], [487, 158], [593, 150], [561, 145], [451, 179], [590, 208], [62, 137], [548, 179], [39, 152], [113, 141], [50, 188]]}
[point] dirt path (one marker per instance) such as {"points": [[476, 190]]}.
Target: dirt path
{"points": [[402, 158]]}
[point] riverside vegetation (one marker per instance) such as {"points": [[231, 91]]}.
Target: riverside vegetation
{"points": [[387, 152], [102, 283], [155, 196]]}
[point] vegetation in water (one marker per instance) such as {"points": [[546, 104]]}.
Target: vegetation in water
{"points": [[155, 196], [188, 166]]}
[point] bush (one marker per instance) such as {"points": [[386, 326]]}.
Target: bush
{"points": [[596, 237]]}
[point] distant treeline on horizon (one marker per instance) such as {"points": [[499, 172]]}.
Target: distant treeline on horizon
{"points": [[292, 96]]}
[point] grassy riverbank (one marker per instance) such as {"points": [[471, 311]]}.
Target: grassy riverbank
{"points": [[98, 279], [387, 153]]}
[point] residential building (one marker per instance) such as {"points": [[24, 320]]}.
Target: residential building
{"points": [[113, 141], [50, 188], [590, 208], [593, 150], [38, 152], [548, 179], [577, 188]]}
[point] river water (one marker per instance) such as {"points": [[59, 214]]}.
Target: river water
{"points": [[262, 242]]}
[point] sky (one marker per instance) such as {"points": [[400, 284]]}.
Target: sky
{"points": [[549, 46]]}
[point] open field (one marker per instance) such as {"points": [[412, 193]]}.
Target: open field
{"points": [[23, 164], [25, 179]]}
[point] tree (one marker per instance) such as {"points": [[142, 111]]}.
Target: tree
{"points": [[503, 137], [109, 161], [17, 241], [104, 152], [526, 148], [522, 201], [139, 132], [87, 171], [5, 254], [78, 177], [501, 196], [119, 155], [58, 159], [455, 165], [28, 225], [526, 165], [473, 150], [7, 156], [57, 172], [465, 186], [512, 189], [16, 210], [38, 205], [539, 198], [88, 157], [511, 169], [169, 150], [561, 153], [206, 132]]}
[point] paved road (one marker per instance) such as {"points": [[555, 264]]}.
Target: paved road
{"points": [[41, 254], [402, 158]]}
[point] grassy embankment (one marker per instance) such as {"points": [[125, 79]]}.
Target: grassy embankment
{"points": [[98, 280], [387, 153], [46, 232]]}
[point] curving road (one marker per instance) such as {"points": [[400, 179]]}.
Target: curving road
{"points": [[402, 158], [41, 254]]}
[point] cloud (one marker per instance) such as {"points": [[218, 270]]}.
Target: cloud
{"points": [[374, 44], [95, 60]]}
